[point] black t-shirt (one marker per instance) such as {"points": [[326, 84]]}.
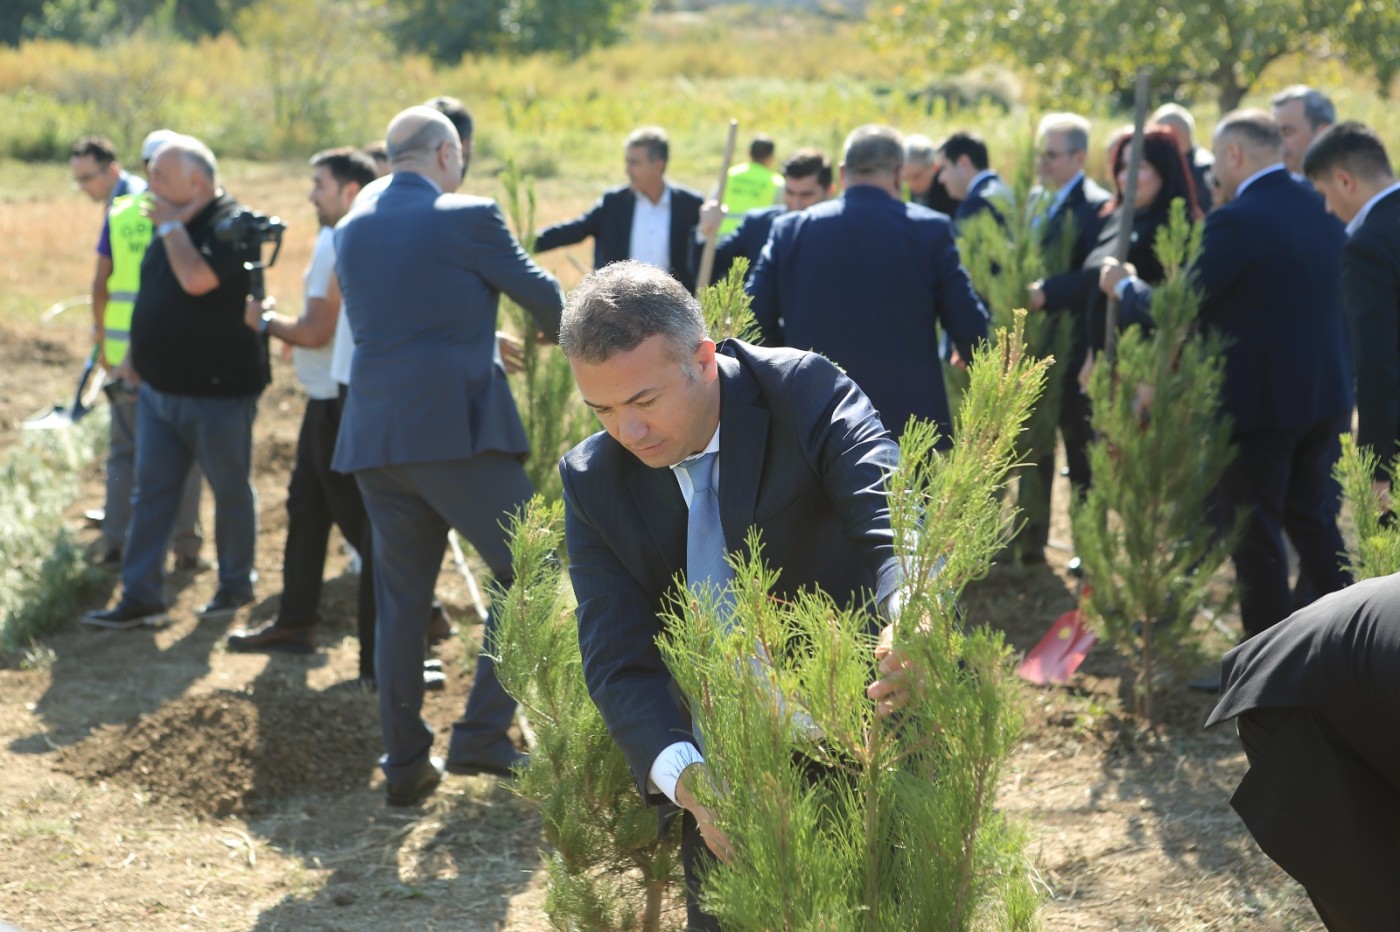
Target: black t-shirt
{"points": [[185, 344]]}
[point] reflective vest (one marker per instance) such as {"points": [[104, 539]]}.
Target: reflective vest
{"points": [[130, 230], [748, 187]]}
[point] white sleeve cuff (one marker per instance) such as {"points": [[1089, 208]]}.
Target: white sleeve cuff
{"points": [[670, 764]]}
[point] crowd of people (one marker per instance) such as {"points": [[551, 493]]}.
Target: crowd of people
{"points": [[410, 429]]}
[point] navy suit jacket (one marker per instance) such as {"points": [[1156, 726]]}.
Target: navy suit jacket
{"points": [[803, 458], [979, 198], [1270, 270], [609, 222], [866, 280], [421, 273], [747, 240], [1065, 290], [1371, 284]]}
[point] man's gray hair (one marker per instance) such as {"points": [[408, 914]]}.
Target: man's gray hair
{"points": [[1175, 114], [617, 307], [873, 150], [423, 141], [653, 139], [920, 150], [1072, 126], [1317, 106], [1256, 129], [195, 154]]}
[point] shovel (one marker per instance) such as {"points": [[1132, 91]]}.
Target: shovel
{"points": [[61, 416], [1063, 648]]}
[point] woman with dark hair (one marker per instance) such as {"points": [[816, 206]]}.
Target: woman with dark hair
{"points": [[1163, 176]]}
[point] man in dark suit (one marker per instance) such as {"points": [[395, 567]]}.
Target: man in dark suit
{"points": [[866, 279], [803, 458], [1349, 166], [429, 428], [966, 172], [1270, 274], [923, 176], [1317, 703], [806, 181], [647, 219], [1069, 225], [1302, 113]]}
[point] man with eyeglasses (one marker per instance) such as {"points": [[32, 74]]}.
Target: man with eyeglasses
{"points": [[1071, 213], [429, 427]]}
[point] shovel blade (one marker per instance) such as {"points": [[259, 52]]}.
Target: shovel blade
{"points": [[1060, 652], [56, 419]]}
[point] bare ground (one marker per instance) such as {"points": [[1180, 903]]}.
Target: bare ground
{"points": [[150, 779]]}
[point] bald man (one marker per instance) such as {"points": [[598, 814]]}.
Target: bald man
{"points": [[200, 371], [430, 429]]}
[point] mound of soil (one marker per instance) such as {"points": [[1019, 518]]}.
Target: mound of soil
{"points": [[229, 752]]}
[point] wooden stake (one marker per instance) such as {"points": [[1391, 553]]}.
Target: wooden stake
{"points": [[707, 257]]}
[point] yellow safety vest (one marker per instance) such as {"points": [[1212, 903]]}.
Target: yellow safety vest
{"points": [[130, 230], [748, 187]]}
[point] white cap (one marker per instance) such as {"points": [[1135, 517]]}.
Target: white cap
{"points": [[154, 141]]}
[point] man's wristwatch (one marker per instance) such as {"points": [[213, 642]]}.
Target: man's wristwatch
{"points": [[168, 227]]}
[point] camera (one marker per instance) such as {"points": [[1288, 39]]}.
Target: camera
{"points": [[247, 230]]}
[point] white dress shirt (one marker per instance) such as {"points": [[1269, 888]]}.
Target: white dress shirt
{"points": [[651, 230]]}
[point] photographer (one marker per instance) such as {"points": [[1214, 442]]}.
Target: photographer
{"points": [[200, 372]]}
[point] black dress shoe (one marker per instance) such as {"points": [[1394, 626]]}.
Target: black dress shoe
{"points": [[223, 605], [125, 615], [417, 788], [275, 637], [472, 765]]}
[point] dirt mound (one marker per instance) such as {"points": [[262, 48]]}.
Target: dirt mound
{"points": [[232, 752]]}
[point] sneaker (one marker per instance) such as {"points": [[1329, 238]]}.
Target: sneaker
{"points": [[124, 615], [223, 605]]}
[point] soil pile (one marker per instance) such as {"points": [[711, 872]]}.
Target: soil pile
{"points": [[232, 752]]}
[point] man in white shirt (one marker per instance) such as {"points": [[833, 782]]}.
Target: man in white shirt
{"points": [[647, 219], [317, 496]]}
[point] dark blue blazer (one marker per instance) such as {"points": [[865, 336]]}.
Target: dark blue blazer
{"points": [[866, 280], [747, 240], [1270, 270], [609, 222], [979, 198], [803, 458], [422, 273], [1081, 216], [1371, 283]]}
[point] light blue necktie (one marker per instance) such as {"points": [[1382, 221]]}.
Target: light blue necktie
{"points": [[705, 565]]}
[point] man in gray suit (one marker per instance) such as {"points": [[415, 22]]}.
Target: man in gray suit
{"points": [[430, 429]]}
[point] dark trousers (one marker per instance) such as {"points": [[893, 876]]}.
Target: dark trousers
{"points": [[1322, 799], [696, 859], [1076, 434], [318, 497], [411, 508], [1279, 481], [1305, 591]]}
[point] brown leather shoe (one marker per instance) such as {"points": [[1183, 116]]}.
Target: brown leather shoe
{"points": [[440, 627], [273, 636]]}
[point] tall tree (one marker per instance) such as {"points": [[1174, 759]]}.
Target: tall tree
{"points": [[1091, 48]]}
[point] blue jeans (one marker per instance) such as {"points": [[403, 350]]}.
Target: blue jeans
{"points": [[173, 432]]}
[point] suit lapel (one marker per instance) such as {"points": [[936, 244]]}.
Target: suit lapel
{"points": [[742, 444], [662, 508]]}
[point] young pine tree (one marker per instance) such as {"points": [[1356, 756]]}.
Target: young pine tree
{"points": [[1003, 259], [1376, 549], [555, 419], [1161, 446], [841, 820]]}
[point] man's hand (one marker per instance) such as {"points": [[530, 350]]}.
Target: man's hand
{"points": [[1035, 297], [1382, 489], [512, 352], [1086, 371], [1143, 398], [163, 211], [254, 309], [1112, 272], [125, 372], [704, 816], [890, 692], [711, 216]]}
